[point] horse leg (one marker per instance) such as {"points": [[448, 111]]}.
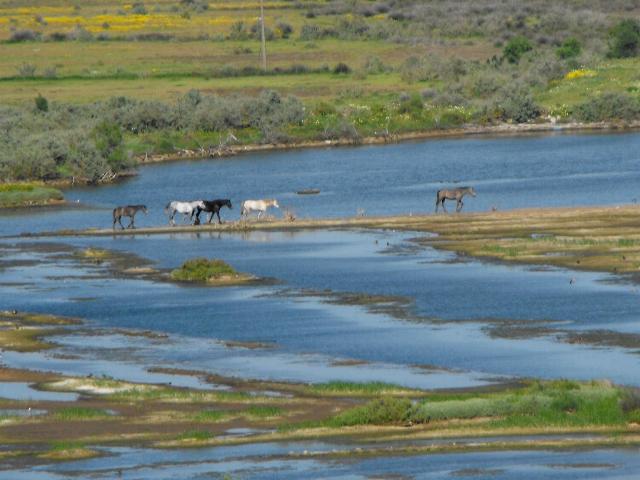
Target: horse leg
{"points": [[259, 214], [219, 221], [120, 222], [131, 225], [171, 221], [114, 222], [459, 206], [443, 207]]}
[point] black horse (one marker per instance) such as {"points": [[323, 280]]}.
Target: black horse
{"points": [[213, 207], [128, 211]]}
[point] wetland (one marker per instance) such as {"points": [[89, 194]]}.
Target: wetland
{"points": [[505, 337]]}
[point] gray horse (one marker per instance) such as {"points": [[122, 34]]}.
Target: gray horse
{"points": [[455, 194]]}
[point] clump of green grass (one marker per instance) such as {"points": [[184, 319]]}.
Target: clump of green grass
{"points": [[199, 435], [537, 405], [262, 411], [358, 389], [66, 445], [210, 416], [202, 270], [16, 187], [169, 394], [627, 242], [386, 410], [25, 194], [381, 411], [558, 403], [500, 250], [80, 413]]}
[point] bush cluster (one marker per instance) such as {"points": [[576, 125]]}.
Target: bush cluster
{"points": [[49, 141]]}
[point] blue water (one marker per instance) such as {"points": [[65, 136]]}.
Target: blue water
{"points": [[271, 461], [464, 295], [531, 171], [450, 303]]}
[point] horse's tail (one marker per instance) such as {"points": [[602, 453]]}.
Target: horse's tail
{"points": [[166, 208], [114, 212]]}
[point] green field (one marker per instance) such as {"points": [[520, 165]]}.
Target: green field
{"points": [[118, 80]]}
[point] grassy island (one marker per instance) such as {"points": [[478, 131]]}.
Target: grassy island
{"points": [[211, 272]]}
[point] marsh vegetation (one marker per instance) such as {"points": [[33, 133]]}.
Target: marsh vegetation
{"points": [[209, 271]]}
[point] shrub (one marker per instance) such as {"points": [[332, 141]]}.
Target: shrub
{"points": [[570, 48], [41, 103], [25, 35], [411, 104], [109, 141], [374, 65], [284, 30], [609, 106], [310, 32], [50, 72], [376, 412], [81, 34], [515, 48], [341, 68], [238, 31], [486, 83], [138, 8], [341, 129], [57, 36], [630, 400], [516, 104], [624, 39], [27, 70], [255, 32]]}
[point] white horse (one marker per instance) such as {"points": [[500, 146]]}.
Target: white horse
{"points": [[259, 206], [186, 208]]}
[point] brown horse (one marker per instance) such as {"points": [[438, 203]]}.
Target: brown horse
{"points": [[128, 211], [455, 194]]}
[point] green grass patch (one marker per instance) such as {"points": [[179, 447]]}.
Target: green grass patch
{"points": [[210, 416], [628, 242], [80, 413], [262, 411], [168, 394], [27, 194], [357, 389], [198, 435], [538, 405], [557, 403], [63, 445], [202, 270], [501, 251]]}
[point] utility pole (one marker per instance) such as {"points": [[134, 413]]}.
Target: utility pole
{"points": [[262, 39]]}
